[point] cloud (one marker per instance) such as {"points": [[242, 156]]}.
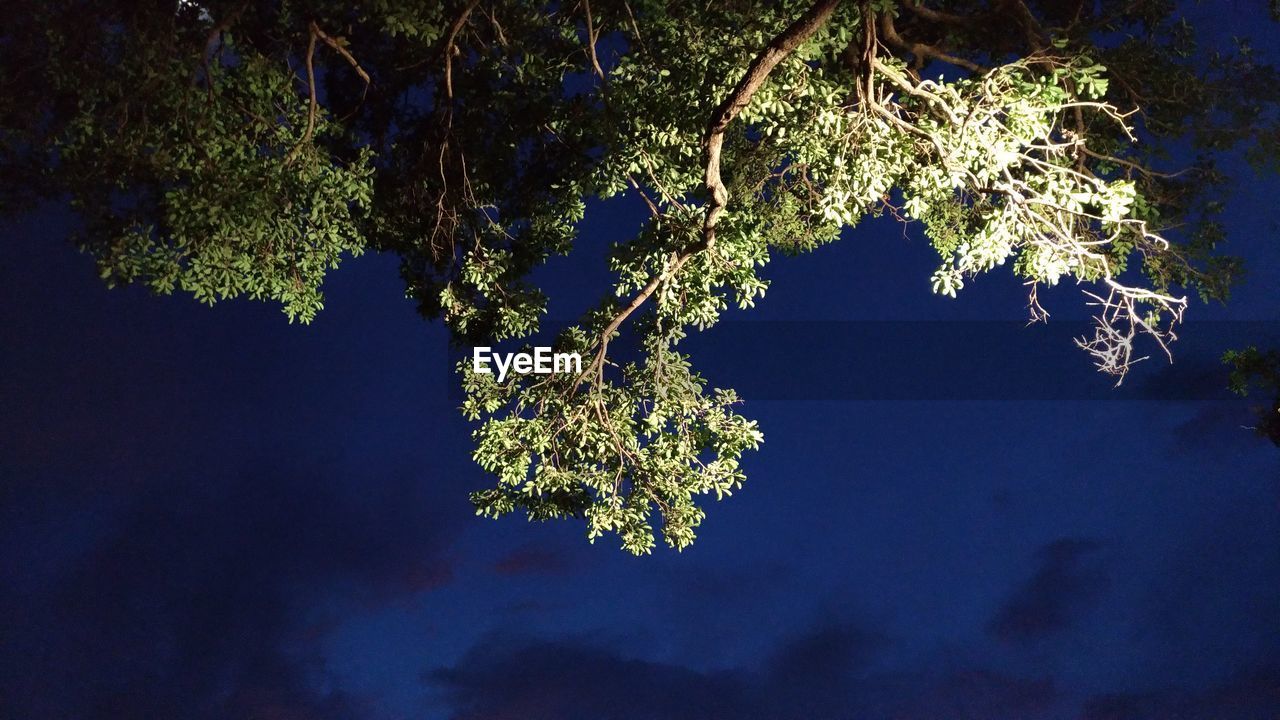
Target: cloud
{"points": [[1218, 429], [824, 657], [207, 599], [977, 694], [1249, 695], [504, 678], [1068, 579], [532, 560], [825, 673]]}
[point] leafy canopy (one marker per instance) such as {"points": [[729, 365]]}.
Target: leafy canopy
{"points": [[246, 147]]}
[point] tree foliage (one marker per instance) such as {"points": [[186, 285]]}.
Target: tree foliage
{"points": [[245, 147], [1257, 370]]}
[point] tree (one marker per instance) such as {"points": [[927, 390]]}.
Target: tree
{"points": [[244, 147], [1254, 369]]}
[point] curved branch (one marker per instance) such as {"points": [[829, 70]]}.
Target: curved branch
{"points": [[922, 50], [757, 72], [313, 105], [340, 46], [940, 16], [591, 41], [448, 45], [780, 47], [1031, 27]]}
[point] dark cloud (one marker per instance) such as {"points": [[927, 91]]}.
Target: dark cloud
{"points": [[207, 598], [825, 657], [567, 681], [1196, 374], [730, 580], [532, 560], [824, 673], [1250, 695], [976, 694], [1197, 371], [1069, 578], [1218, 429]]}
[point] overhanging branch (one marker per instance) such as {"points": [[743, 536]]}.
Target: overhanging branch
{"points": [[757, 72]]}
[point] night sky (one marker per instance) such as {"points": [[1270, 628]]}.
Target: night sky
{"points": [[210, 513]]}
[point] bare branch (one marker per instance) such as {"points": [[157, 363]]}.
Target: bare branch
{"points": [[1120, 321]]}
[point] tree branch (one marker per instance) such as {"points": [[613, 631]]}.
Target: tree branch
{"points": [[757, 72], [591, 41], [922, 50], [311, 110], [940, 16], [315, 33], [214, 41], [763, 64], [448, 46], [1031, 27], [339, 45]]}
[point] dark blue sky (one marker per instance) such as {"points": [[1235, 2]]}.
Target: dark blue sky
{"points": [[211, 513]]}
